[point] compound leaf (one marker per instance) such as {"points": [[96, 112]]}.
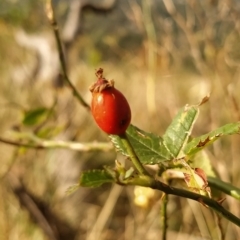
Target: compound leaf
{"points": [[148, 147]]}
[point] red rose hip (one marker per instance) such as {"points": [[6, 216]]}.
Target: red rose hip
{"points": [[109, 107]]}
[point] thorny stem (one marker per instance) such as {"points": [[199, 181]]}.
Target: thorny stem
{"points": [[147, 181], [134, 158], [51, 17]]}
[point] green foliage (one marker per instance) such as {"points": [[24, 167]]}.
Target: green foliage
{"points": [[182, 157], [148, 147], [35, 116], [95, 178], [197, 144], [177, 134], [153, 149]]}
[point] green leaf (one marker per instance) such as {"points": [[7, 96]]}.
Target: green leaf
{"points": [[148, 147], [35, 116], [202, 160], [95, 178], [197, 144], [177, 134]]}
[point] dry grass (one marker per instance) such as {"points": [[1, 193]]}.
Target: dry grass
{"points": [[156, 85]]}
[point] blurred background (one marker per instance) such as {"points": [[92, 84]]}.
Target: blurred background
{"points": [[162, 54]]}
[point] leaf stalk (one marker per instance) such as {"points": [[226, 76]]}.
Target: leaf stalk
{"points": [[133, 156]]}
